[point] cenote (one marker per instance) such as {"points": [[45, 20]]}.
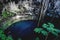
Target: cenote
{"points": [[23, 29]]}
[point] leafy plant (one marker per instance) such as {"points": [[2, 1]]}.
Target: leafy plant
{"points": [[49, 27], [3, 36], [40, 30], [6, 14]]}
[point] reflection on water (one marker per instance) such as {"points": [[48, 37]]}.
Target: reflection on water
{"points": [[22, 29]]}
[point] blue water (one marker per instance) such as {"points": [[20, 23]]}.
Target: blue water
{"points": [[22, 28]]}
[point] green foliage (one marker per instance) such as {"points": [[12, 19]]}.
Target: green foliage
{"points": [[45, 33], [45, 25], [37, 38], [6, 14], [3, 36], [1, 31], [40, 30], [51, 25], [50, 28], [9, 38]]}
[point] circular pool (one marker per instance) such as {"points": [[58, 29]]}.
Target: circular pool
{"points": [[22, 29]]}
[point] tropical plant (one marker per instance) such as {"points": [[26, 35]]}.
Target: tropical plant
{"points": [[49, 27], [3, 36]]}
